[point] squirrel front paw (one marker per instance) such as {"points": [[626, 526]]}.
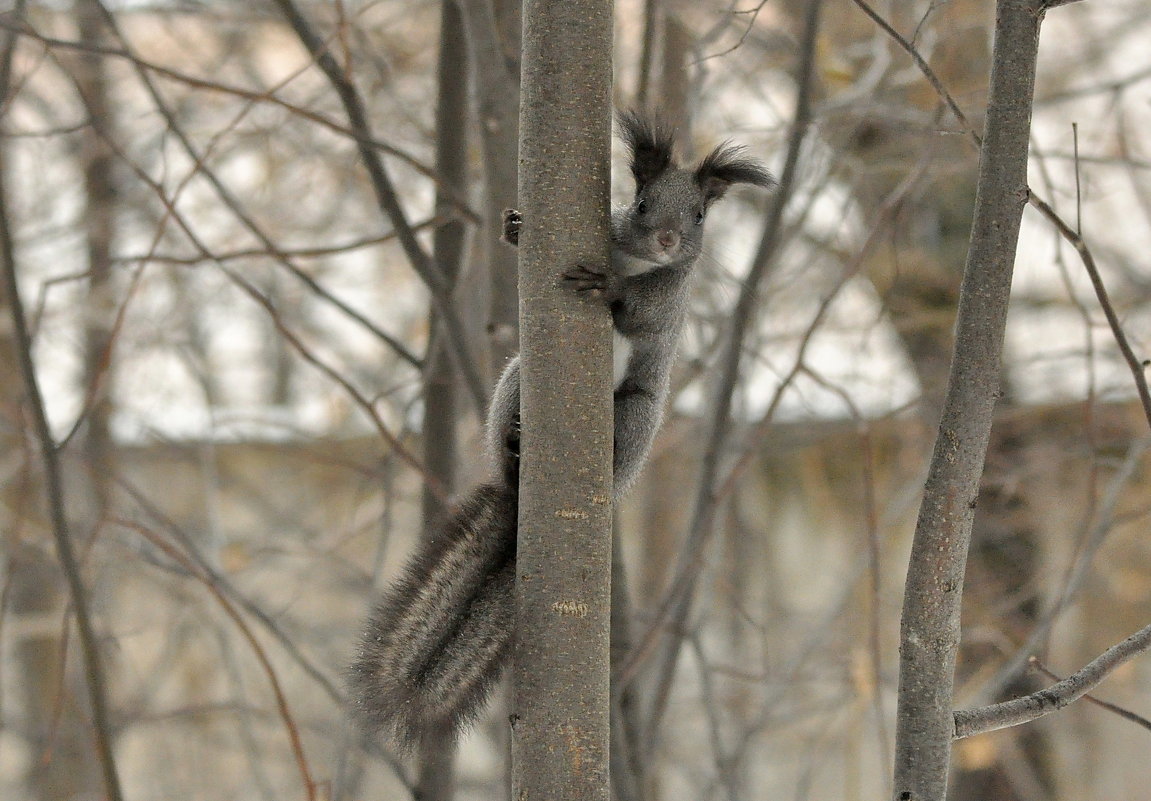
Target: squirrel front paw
{"points": [[586, 279], [513, 222]]}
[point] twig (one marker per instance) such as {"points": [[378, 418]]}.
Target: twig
{"points": [[1055, 697], [1077, 571], [281, 700], [924, 67], [428, 271], [678, 601], [233, 203], [294, 341], [1076, 241], [262, 97], [1138, 720], [53, 486], [433, 484]]}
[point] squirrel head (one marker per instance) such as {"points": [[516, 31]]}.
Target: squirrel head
{"points": [[664, 222]]}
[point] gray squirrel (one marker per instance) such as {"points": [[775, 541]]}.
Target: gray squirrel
{"points": [[436, 643]]}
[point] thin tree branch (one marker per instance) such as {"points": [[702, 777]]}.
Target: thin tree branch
{"points": [[1127, 714], [1078, 571], [432, 482], [245, 219], [679, 598], [54, 489], [358, 397], [923, 66], [437, 284], [263, 97], [1023, 710], [261, 655], [1134, 363]]}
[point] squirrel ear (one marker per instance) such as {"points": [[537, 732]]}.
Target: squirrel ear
{"points": [[650, 142], [727, 165]]}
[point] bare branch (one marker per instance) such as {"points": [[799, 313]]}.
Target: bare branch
{"points": [[1053, 698], [248, 222], [262, 97], [1134, 363], [54, 488], [421, 262], [678, 601], [261, 655], [923, 66], [1127, 714]]}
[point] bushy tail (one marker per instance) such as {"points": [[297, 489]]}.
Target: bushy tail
{"points": [[435, 644]]}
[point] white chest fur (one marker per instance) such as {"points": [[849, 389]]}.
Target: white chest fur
{"points": [[627, 265], [621, 355]]}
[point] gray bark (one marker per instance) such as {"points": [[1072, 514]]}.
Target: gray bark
{"points": [[929, 638], [561, 703]]}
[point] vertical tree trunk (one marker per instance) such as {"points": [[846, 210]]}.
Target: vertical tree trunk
{"points": [[920, 298], [560, 731], [440, 453], [930, 631], [494, 43], [99, 224]]}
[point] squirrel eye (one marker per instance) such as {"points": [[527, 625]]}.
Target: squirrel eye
{"points": [[699, 217], [641, 207]]}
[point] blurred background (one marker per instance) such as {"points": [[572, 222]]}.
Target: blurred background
{"points": [[250, 395]]}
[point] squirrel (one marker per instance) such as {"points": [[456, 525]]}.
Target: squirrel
{"points": [[436, 642]]}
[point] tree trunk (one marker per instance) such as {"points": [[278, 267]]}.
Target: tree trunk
{"points": [[561, 705], [99, 223], [929, 639], [494, 45], [439, 390]]}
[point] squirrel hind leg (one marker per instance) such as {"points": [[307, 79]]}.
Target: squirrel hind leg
{"points": [[513, 221]]}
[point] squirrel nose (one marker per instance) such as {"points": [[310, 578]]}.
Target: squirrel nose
{"points": [[667, 238]]}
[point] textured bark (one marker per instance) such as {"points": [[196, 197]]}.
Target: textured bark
{"points": [[561, 705], [930, 629]]}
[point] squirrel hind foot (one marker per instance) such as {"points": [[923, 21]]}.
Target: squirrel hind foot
{"points": [[513, 222]]}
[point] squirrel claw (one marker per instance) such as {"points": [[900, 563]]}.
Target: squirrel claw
{"points": [[513, 222], [585, 279], [512, 437], [512, 451]]}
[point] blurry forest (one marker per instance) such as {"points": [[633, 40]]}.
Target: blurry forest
{"points": [[265, 304]]}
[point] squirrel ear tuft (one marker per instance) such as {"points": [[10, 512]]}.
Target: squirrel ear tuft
{"points": [[651, 143], [727, 165]]}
